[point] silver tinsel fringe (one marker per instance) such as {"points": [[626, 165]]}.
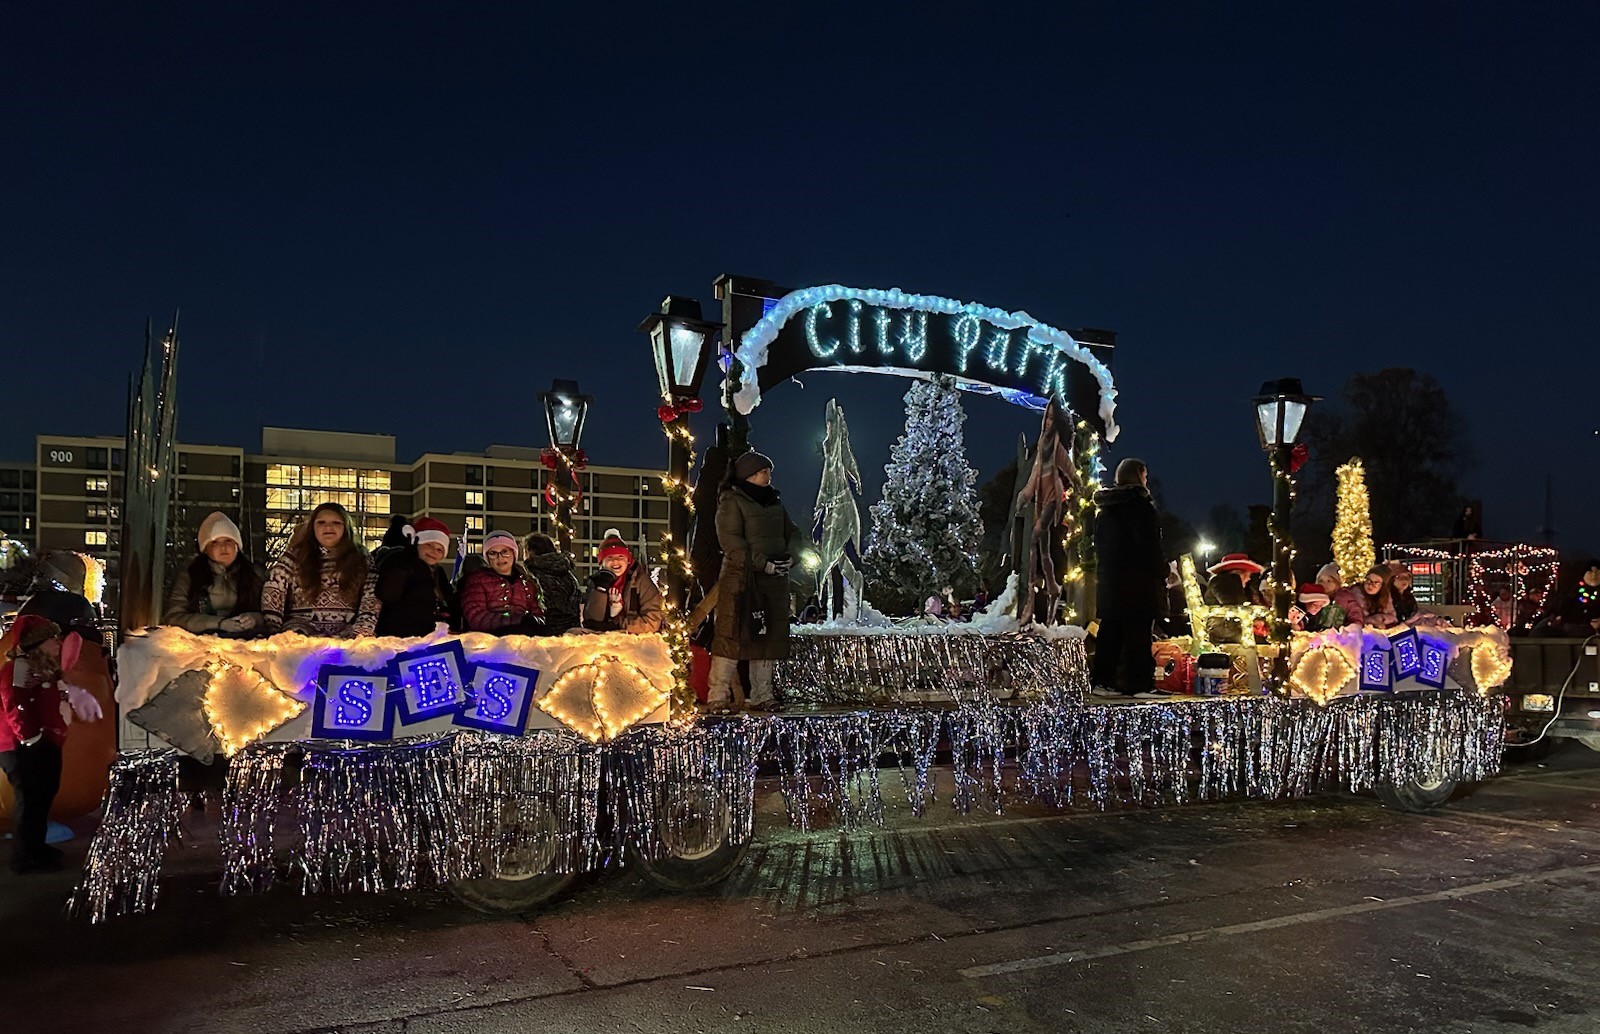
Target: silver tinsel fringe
{"points": [[880, 670], [685, 790], [373, 817], [831, 763], [140, 817], [252, 800], [528, 801]]}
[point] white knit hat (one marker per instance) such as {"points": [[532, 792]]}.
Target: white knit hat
{"points": [[218, 526]]}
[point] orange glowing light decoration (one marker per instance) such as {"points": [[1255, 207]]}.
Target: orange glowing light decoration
{"points": [[242, 706], [602, 699], [1322, 673]]}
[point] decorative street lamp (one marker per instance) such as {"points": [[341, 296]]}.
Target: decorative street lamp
{"points": [[1280, 413], [565, 411], [680, 340]]}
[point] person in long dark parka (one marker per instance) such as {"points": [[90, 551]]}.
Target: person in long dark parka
{"points": [[1132, 576]]}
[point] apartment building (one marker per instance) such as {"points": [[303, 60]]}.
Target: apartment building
{"points": [[19, 503], [77, 501]]}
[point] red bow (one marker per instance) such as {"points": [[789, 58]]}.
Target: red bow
{"points": [[1298, 457], [670, 411], [577, 459]]}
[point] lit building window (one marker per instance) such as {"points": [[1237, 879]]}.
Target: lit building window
{"points": [[96, 484], [474, 523], [94, 538], [474, 498]]}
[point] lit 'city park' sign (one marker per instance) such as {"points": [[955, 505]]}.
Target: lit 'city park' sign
{"points": [[890, 331]]}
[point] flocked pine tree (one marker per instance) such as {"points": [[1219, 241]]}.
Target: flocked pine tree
{"points": [[925, 529]]}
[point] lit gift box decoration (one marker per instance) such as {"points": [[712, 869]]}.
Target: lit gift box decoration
{"points": [[431, 682], [1375, 674], [1405, 650], [352, 704], [502, 696], [1435, 663]]}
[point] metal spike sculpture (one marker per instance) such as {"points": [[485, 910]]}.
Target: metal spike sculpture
{"points": [[1052, 487], [836, 521], [148, 464]]}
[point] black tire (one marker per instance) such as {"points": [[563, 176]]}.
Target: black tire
{"points": [[699, 847], [1416, 797], [498, 897], [517, 863]]}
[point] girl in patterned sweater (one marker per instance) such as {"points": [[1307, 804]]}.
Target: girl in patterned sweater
{"points": [[323, 584]]}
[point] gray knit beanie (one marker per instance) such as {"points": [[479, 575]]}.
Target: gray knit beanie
{"points": [[750, 464]]}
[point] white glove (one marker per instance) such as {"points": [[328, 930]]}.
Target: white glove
{"points": [[83, 703], [779, 566]]}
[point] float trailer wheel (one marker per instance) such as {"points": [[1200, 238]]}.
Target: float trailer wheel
{"points": [[518, 876], [1416, 796], [698, 848]]}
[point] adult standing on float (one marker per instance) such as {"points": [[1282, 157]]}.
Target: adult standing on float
{"points": [[412, 589], [758, 544], [323, 584], [1132, 577]]}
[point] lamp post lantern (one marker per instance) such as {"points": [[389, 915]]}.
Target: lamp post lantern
{"points": [[681, 341], [565, 411], [1280, 413]]}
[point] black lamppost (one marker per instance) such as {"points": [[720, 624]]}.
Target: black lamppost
{"points": [[565, 410], [1280, 414], [680, 340]]}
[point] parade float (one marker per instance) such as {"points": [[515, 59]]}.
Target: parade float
{"points": [[502, 768]]}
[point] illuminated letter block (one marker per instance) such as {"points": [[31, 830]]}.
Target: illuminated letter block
{"points": [[1375, 675], [1435, 663], [1406, 654], [352, 704], [431, 681], [501, 699]]}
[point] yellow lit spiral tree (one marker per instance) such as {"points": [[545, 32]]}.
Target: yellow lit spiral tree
{"points": [[1352, 525]]}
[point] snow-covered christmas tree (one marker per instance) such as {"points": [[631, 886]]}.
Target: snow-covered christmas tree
{"points": [[925, 529]]}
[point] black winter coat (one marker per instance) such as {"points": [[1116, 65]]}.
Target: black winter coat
{"points": [[563, 596], [412, 595], [1132, 575]]}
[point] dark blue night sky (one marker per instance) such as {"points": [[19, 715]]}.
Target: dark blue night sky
{"points": [[382, 218]]}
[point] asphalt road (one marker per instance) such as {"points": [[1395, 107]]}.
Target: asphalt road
{"points": [[1331, 914]]}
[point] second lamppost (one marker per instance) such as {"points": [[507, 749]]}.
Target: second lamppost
{"points": [[1280, 414], [565, 410]]}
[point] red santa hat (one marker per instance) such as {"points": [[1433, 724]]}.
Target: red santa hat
{"points": [[612, 545], [1238, 563], [1310, 592], [26, 633], [428, 529]]}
